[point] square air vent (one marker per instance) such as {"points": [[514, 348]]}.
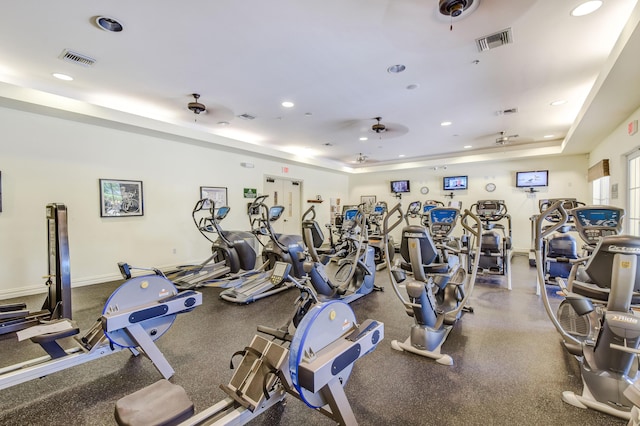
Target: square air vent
{"points": [[76, 58], [494, 40], [246, 116]]}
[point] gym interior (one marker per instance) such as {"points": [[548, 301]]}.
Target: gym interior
{"points": [[508, 362]]}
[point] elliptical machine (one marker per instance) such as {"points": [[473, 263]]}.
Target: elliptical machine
{"points": [[280, 248], [561, 248], [606, 357], [495, 258], [376, 239], [437, 285], [231, 251], [353, 274]]}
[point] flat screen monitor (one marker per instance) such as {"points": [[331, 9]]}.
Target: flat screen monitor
{"points": [[400, 186], [532, 179], [452, 183]]}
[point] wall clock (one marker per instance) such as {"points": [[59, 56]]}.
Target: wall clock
{"points": [[490, 187], [424, 190]]}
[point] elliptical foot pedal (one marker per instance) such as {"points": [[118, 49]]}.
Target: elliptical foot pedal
{"points": [[161, 403]]}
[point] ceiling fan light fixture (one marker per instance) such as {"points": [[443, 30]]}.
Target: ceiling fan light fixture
{"points": [[196, 107], [454, 8]]}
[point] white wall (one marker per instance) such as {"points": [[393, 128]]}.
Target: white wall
{"points": [[46, 159], [567, 175], [616, 147]]}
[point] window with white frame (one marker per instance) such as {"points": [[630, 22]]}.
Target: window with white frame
{"points": [[601, 191], [633, 199]]}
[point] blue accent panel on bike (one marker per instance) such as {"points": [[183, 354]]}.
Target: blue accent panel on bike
{"points": [[148, 313], [345, 359]]}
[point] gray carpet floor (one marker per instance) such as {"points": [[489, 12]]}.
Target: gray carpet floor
{"points": [[509, 366]]}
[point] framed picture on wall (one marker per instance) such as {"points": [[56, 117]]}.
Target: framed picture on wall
{"points": [[216, 193], [120, 198], [369, 202]]}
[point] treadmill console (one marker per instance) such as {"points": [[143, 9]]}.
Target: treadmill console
{"points": [[593, 223], [280, 272]]}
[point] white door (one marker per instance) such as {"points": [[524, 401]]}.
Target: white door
{"points": [[287, 193]]}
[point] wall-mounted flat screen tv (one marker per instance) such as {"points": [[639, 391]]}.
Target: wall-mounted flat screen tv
{"points": [[400, 186], [452, 183], [532, 179]]}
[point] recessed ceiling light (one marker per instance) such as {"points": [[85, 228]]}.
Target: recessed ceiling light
{"points": [[60, 76], [394, 69], [468, 146], [401, 155], [223, 123], [548, 136], [108, 24], [364, 138], [308, 114], [586, 8], [287, 104], [558, 102], [446, 123], [413, 86]]}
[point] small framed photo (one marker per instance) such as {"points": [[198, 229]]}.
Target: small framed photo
{"points": [[215, 193], [369, 202], [120, 198]]}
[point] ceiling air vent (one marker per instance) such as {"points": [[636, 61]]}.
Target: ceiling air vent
{"points": [[494, 40], [76, 58], [507, 111], [246, 116]]}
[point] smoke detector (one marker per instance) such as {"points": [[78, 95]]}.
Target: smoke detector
{"points": [[196, 106]]}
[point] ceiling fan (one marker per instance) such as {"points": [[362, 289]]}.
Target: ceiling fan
{"points": [[195, 106], [361, 158], [378, 127], [503, 139], [390, 130]]}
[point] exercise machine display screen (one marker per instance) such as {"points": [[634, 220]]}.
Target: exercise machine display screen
{"points": [[598, 217], [593, 224], [378, 210], [222, 212], [443, 216], [280, 272], [350, 214], [275, 212], [427, 208]]}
